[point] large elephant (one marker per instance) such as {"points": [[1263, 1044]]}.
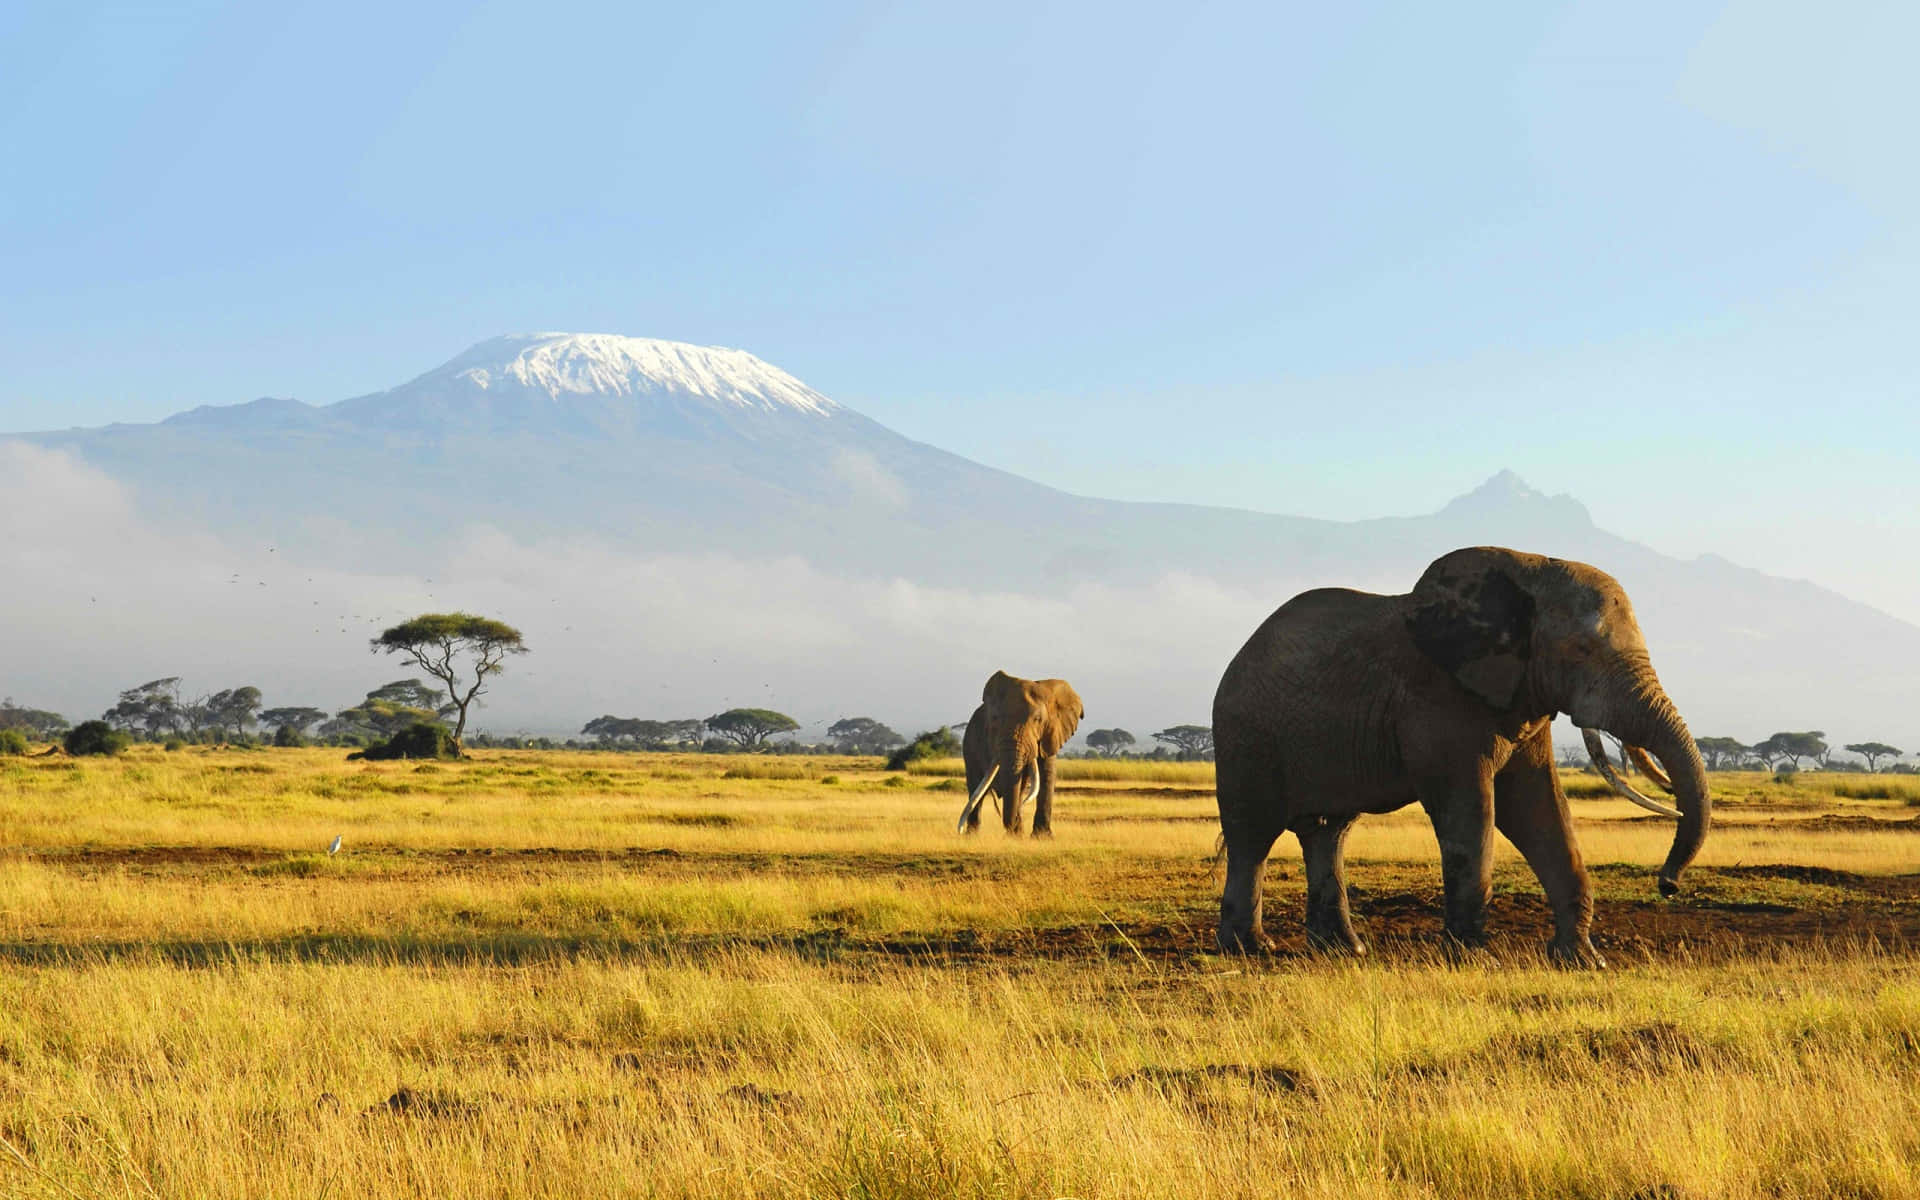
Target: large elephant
{"points": [[1010, 744], [1346, 702]]}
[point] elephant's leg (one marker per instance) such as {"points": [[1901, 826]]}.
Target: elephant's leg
{"points": [[1323, 843], [1252, 817], [1530, 810], [1241, 902], [1462, 815], [1043, 803]]}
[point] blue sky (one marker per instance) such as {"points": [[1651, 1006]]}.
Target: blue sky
{"points": [[1340, 260]]}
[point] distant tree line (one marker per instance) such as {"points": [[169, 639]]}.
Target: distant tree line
{"points": [[160, 711], [1796, 750], [738, 730], [1784, 751], [1179, 743]]}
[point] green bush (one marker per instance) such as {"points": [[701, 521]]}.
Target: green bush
{"points": [[288, 736], [96, 737], [12, 742], [934, 743], [418, 740], [174, 744]]}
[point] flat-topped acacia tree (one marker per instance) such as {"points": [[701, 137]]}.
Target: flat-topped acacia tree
{"points": [[749, 728], [438, 643]]}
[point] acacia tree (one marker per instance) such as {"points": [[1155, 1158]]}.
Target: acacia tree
{"points": [[1793, 747], [1873, 752], [1109, 741], [611, 730], [386, 712], [37, 721], [749, 728], [296, 717], [1721, 752], [863, 735], [414, 693], [438, 642], [231, 710], [1188, 741], [152, 708]]}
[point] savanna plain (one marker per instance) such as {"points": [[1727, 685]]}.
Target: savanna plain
{"points": [[568, 974]]}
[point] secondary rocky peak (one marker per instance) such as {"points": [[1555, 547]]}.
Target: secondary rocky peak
{"points": [[1508, 495]]}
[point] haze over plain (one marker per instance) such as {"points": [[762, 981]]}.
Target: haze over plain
{"points": [[1343, 265]]}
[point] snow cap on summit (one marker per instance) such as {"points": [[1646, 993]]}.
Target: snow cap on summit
{"points": [[610, 364]]}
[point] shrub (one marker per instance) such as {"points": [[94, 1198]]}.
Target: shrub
{"points": [[96, 737], [12, 742], [174, 744], [288, 736], [934, 743], [419, 740], [1785, 773], [756, 770]]}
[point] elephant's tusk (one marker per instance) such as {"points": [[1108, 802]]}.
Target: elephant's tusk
{"points": [[973, 802], [1650, 768], [1597, 750], [1032, 792]]}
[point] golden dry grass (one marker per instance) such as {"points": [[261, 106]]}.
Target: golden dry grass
{"points": [[1131, 770], [537, 975]]}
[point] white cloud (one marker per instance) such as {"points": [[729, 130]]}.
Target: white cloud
{"points": [[96, 595], [100, 598]]}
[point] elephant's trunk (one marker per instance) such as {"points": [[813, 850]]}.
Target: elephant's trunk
{"points": [[1640, 714], [1016, 762]]}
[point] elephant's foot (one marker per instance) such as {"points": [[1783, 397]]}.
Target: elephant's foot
{"points": [[1242, 941], [1043, 831], [1336, 941], [1575, 954]]}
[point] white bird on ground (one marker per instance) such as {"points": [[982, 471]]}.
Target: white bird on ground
{"points": [[335, 848]]}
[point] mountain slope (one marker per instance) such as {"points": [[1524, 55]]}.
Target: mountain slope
{"points": [[659, 448]]}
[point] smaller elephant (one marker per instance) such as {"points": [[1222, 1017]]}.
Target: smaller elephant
{"points": [[1010, 745]]}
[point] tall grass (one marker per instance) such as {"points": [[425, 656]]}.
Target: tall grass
{"points": [[763, 1075], [1105, 770], [554, 975]]}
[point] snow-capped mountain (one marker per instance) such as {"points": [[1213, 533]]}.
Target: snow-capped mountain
{"points": [[661, 448], [601, 378]]}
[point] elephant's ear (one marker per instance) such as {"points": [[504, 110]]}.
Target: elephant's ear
{"points": [[1476, 622], [1072, 712], [997, 684]]}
